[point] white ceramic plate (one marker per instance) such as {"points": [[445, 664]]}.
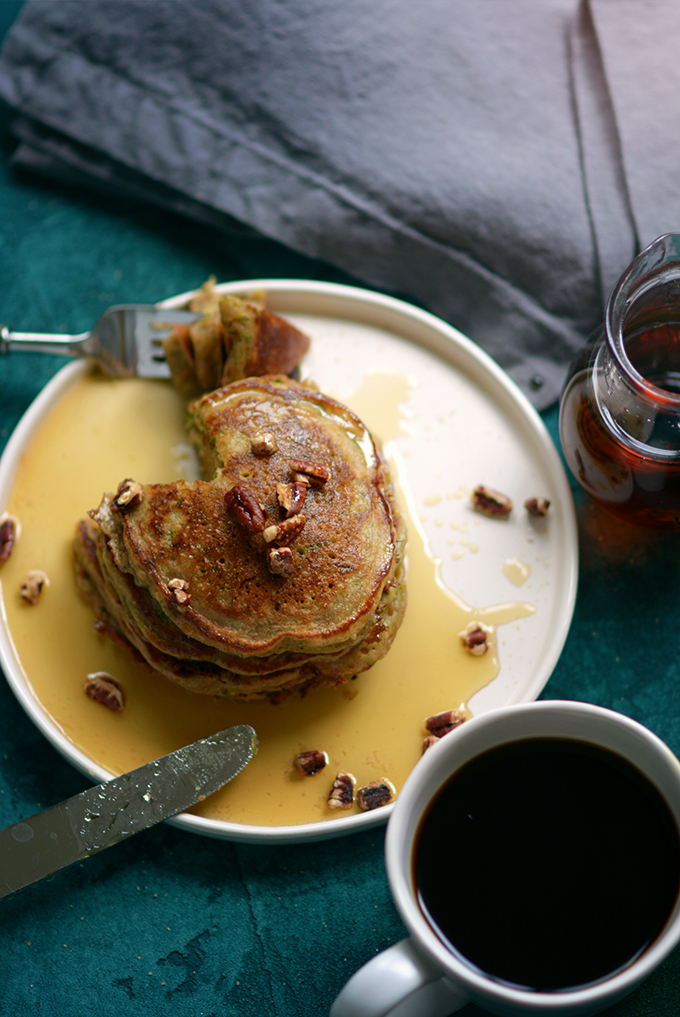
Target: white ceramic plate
{"points": [[459, 421]]}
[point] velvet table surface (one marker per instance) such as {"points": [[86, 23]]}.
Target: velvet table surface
{"points": [[169, 923]]}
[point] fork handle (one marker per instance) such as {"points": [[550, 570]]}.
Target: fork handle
{"points": [[42, 342]]}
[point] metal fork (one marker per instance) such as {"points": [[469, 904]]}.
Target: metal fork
{"points": [[126, 340]]}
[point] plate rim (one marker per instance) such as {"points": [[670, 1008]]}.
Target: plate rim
{"points": [[475, 357]]}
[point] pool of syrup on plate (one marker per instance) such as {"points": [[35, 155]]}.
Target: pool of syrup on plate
{"points": [[101, 431]]}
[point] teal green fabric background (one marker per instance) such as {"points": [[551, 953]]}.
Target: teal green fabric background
{"points": [[168, 923]]}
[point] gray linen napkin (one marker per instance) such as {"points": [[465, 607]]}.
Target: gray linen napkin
{"points": [[626, 67], [487, 158]]}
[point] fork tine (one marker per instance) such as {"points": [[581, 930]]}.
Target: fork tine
{"points": [[142, 330], [150, 355], [146, 334]]}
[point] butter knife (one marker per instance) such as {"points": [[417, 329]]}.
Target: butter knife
{"points": [[108, 813]]}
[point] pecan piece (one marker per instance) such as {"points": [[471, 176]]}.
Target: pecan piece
{"points": [[32, 586], [491, 503], [440, 724], [128, 496], [428, 743], [244, 507], [280, 561], [537, 507], [291, 497], [475, 638], [105, 689], [9, 532], [286, 531], [375, 794], [264, 444], [179, 590], [310, 471], [342, 792], [310, 762]]}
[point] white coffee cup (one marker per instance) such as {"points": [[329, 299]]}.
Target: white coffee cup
{"points": [[421, 976]]}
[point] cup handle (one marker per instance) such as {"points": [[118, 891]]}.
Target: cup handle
{"points": [[398, 982]]}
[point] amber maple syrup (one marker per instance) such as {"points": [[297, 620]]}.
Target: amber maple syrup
{"points": [[372, 726], [624, 448]]}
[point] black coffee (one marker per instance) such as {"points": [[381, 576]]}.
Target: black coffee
{"points": [[548, 863]]}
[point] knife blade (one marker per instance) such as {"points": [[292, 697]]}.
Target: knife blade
{"points": [[106, 814]]}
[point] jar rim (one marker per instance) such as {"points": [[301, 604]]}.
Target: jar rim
{"points": [[644, 273]]}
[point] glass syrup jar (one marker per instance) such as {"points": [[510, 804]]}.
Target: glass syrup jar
{"points": [[620, 408]]}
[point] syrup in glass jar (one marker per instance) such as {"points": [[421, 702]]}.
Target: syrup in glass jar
{"points": [[620, 409]]}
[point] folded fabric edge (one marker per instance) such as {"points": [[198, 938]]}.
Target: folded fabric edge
{"points": [[50, 154], [606, 189], [639, 41], [506, 312], [311, 215]]}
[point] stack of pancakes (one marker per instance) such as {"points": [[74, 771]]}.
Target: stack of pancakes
{"points": [[284, 569]]}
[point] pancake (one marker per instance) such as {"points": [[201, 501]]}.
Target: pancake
{"points": [[283, 569], [235, 337]]}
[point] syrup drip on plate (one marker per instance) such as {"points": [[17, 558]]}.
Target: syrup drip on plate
{"points": [[101, 431]]}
